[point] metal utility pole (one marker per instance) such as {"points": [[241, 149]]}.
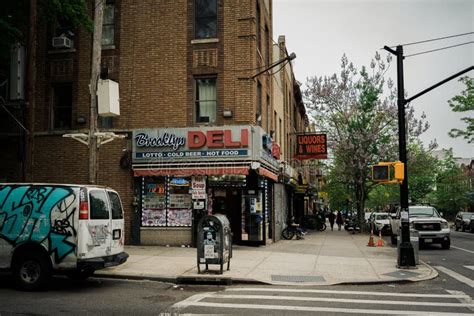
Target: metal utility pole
{"points": [[30, 137], [95, 72], [406, 254]]}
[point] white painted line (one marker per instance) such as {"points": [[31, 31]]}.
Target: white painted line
{"points": [[470, 251], [462, 300], [455, 275], [338, 300], [469, 267], [344, 292], [323, 309]]}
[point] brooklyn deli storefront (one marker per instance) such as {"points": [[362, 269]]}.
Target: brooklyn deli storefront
{"points": [[182, 174]]}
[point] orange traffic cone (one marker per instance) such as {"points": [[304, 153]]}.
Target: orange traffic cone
{"points": [[380, 241], [371, 239]]}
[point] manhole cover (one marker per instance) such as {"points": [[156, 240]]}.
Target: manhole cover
{"points": [[298, 278]]}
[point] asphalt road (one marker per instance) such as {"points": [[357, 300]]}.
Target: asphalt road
{"points": [[449, 294], [456, 265]]}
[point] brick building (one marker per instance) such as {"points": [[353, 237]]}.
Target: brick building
{"points": [[191, 108]]}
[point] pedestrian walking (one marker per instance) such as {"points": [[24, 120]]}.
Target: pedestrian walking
{"points": [[339, 220], [331, 217]]}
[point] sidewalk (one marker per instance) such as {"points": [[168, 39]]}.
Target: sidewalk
{"points": [[322, 258]]}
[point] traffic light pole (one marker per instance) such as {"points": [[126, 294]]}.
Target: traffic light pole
{"points": [[406, 256]]}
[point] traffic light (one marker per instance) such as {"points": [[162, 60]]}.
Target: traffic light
{"points": [[382, 172], [399, 173]]}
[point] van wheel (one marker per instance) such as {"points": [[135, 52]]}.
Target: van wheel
{"points": [[79, 275], [31, 271]]}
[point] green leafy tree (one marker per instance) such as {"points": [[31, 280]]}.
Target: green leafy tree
{"points": [[464, 103], [422, 171], [358, 111], [452, 187]]}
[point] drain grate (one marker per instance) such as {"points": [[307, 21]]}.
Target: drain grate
{"points": [[298, 278]]}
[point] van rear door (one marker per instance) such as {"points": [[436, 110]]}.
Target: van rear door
{"points": [[96, 231], [117, 222]]}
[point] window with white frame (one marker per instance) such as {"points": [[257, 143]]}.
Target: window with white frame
{"points": [[205, 19], [206, 100]]}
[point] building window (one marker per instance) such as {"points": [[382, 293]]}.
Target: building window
{"points": [[206, 100], [267, 123], [258, 33], [267, 45], [206, 19], [108, 25], [106, 122], [259, 104], [62, 106]]}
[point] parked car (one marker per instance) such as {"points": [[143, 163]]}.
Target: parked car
{"points": [[429, 224], [471, 224], [59, 228], [462, 221], [379, 221]]}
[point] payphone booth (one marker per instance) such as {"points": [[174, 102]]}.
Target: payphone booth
{"points": [[214, 242]]}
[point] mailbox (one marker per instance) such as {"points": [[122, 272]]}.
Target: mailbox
{"points": [[214, 242]]}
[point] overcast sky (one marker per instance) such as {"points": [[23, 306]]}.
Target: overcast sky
{"points": [[320, 31]]}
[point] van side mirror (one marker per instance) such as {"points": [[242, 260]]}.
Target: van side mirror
{"points": [[441, 214]]}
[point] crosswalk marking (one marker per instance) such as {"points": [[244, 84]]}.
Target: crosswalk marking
{"points": [[458, 248], [469, 267], [455, 275], [321, 309], [339, 300], [241, 289], [214, 300]]}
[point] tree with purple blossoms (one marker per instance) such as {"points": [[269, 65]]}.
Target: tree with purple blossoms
{"points": [[357, 109]]}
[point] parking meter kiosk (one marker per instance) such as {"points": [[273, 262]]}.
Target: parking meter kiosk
{"points": [[214, 242]]}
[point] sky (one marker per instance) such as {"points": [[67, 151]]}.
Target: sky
{"points": [[319, 32]]}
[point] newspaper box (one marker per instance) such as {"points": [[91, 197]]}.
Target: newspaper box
{"points": [[214, 242]]}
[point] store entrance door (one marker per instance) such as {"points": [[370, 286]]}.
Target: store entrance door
{"points": [[228, 203]]}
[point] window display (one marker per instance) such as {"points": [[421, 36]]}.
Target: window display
{"points": [[166, 201]]}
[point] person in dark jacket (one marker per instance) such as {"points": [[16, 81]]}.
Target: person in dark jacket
{"points": [[331, 218], [339, 220]]}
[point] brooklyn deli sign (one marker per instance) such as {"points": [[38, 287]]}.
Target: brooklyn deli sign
{"points": [[311, 146], [192, 143]]}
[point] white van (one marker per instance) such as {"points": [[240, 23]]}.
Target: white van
{"points": [[59, 228]]}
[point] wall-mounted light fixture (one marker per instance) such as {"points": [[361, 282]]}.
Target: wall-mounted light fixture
{"points": [[227, 113], [81, 120]]}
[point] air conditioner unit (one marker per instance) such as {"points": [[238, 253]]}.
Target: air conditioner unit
{"points": [[62, 42]]}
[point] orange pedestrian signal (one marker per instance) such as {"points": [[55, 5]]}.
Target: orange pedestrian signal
{"points": [[388, 172]]}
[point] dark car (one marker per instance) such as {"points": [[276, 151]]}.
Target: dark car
{"points": [[471, 224], [462, 221]]}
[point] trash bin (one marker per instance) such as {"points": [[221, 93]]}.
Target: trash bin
{"points": [[214, 242], [415, 242]]}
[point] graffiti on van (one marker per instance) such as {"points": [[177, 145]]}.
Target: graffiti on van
{"points": [[41, 214], [99, 233]]}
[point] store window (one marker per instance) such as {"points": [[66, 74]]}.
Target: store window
{"points": [[206, 100], [206, 19], [166, 201]]}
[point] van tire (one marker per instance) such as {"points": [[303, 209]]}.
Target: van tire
{"points": [[31, 271]]}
